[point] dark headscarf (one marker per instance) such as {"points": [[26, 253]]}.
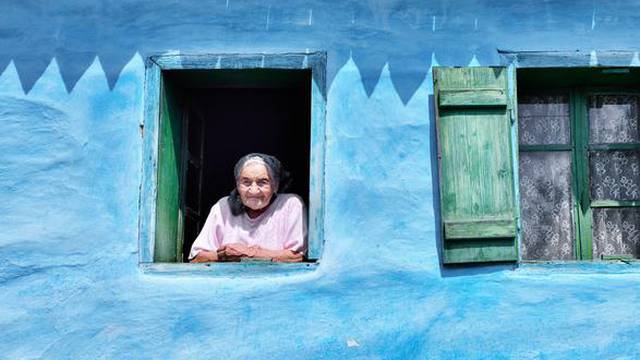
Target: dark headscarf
{"points": [[280, 178]]}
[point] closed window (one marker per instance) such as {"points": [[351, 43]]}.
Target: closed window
{"points": [[579, 164], [559, 162]]}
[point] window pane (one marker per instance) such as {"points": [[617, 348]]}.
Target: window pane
{"points": [[615, 175], [546, 201], [616, 231], [543, 119], [613, 119]]}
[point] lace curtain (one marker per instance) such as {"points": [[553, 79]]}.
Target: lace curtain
{"points": [[545, 178], [614, 175], [613, 119], [616, 231], [545, 205], [543, 119]]}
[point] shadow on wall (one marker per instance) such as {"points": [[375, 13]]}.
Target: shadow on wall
{"points": [[406, 33]]}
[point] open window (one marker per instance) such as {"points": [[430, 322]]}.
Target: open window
{"points": [[573, 136], [206, 113]]}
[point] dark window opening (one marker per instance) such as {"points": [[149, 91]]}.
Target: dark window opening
{"points": [[209, 119]]}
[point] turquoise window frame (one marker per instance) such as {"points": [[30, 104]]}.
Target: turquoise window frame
{"points": [[154, 66]]}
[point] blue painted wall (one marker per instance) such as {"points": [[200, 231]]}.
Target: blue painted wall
{"points": [[71, 100]]}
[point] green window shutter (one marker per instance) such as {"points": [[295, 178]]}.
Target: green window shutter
{"points": [[168, 197], [477, 197]]}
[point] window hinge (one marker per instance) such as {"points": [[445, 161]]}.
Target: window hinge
{"points": [[512, 115]]}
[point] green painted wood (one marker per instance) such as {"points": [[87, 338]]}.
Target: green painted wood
{"points": [[617, 146], [476, 168], [169, 158], [614, 203], [576, 211], [480, 229], [581, 157], [620, 257], [473, 97], [546, 147], [479, 250]]}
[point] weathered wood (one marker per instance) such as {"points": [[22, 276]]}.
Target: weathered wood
{"points": [[480, 229], [159, 225], [472, 97], [169, 174], [240, 61], [566, 59], [149, 130], [546, 147], [316, 164], [614, 146], [614, 203], [619, 257], [234, 269], [476, 165], [579, 118], [479, 250]]}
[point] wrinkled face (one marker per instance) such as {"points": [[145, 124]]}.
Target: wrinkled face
{"points": [[254, 186]]}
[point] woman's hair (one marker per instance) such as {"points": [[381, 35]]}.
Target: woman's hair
{"points": [[280, 178]]}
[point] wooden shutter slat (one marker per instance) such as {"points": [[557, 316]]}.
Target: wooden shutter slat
{"points": [[480, 229], [476, 164], [472, 98]]}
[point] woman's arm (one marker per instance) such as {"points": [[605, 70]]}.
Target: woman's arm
{"points": [[237, 251], [276, 255], [205, 256], [222, 254]]}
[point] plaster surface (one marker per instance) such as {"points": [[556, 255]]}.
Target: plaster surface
{"points": [[71, 101]]}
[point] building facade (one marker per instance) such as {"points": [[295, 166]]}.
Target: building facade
{"points": [[81, 275]]}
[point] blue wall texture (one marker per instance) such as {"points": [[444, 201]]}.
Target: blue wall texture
{"points": [[71, 101]]}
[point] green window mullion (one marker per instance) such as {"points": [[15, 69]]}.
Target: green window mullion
{"points": [[615, 203], [575, 166], [580, 120], [613, 147], [546, 147], [580, 127]]}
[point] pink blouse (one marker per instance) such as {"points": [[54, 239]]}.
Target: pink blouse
{"points": [[283, 226]]}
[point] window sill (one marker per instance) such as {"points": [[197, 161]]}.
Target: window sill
{"points": [[579, 267], [240, 270]]}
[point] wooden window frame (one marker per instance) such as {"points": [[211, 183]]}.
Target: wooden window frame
{"points": [[316, 62], [581, 210]]}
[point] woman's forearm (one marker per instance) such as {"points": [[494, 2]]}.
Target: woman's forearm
{"points": [[205, 256], [277, 255], [255, 252]]}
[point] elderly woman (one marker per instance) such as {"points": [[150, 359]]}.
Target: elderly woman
{"points": [[254, 221]]}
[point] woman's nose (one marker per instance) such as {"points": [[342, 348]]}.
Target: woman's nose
{"points": [[254, 188]]}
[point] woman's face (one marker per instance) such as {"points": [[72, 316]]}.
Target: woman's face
{"points": [[254, 186]]}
